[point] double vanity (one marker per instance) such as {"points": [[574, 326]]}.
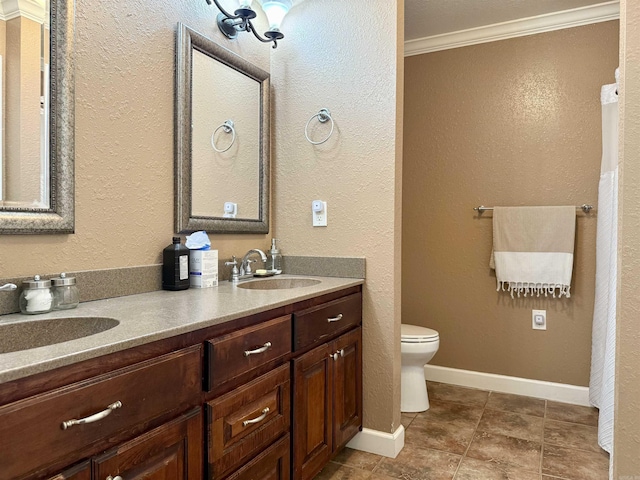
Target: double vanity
{"points": [[260, 380]]}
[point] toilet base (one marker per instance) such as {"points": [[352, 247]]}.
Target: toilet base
{"points": [[413, 393]]}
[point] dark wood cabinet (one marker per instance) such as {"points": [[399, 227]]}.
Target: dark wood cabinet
{"points": [[271, 396], [172, 451], [81, 471], [327, 402], [244, 422]]}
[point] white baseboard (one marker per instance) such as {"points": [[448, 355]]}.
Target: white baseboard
{"points": [[380, 443], [559, 392]]}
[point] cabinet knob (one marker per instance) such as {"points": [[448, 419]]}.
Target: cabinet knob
{"points": [[92, 418], [117, 477], [341, 352], [335, 319], [262, 349], [334, 356]]}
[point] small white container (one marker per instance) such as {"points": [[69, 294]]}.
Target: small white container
{"points": [[36, 296]]}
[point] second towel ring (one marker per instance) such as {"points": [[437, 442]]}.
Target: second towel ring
{"points": [[323, 116], [227, 126]]}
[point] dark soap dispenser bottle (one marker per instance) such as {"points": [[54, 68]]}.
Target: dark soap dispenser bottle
{"points": [[175, 266]]}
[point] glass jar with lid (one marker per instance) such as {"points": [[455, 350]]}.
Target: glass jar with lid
{"points": [[36, 296], [65, 292]]}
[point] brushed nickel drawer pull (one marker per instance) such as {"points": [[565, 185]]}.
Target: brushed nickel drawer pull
{"points": [[265, 410], [262, 349], [92, 418], [335, 319], [117, 477]]}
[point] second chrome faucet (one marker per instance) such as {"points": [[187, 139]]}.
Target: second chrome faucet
{"points": [[244, 271]]}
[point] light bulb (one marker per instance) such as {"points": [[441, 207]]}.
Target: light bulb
{"points": [[275, 11], [245, 3]]}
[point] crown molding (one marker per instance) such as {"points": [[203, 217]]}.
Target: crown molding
{"points": [[601, 12], [32, 9]]}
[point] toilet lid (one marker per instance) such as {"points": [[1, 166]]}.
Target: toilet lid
{"points": [[416, 334]]}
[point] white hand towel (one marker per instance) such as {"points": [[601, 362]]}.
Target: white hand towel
{"points": [[533, 249]]}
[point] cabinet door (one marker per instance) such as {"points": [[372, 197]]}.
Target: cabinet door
{"points": [[312, 442], [172, 451], [347, 387]]}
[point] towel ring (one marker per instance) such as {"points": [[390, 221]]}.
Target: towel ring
{"points": [[323, 116], [227, 126]]}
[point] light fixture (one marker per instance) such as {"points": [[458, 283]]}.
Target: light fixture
{"points": [[240, 21]]}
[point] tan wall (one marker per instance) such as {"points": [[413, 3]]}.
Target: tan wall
{"points": [[329, 60], [124, 140], [627, 421], [514, 122]]}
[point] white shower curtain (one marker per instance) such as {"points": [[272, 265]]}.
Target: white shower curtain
{"points": [[601, 384]]}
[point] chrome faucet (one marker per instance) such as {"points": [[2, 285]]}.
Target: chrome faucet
{"points": [[7, 287], [245, 265], [245, 270]]}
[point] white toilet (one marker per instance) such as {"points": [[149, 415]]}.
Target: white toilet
{"points": [[418, 346]]}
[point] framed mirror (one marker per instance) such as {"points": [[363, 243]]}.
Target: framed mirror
{"points": [[37, 128], [222, 139]]}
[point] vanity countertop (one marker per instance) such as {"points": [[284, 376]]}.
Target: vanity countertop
{"points": [[148, 317]]}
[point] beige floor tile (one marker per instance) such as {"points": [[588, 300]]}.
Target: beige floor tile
{"points": [[451, 412], [357, 459], [571, 435], [573, 464], [566, 412], [406, 419], [453, 393], [441, 435], [473, 469], [335, 471], [507, 451], [516, 425], [419, 464], [516, 404]]}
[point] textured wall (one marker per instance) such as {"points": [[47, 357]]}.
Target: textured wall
{"points": [[330, 60], [124, 139], [627, 422], [514, 122]]}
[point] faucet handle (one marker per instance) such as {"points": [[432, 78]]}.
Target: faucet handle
{"points": [[7, 287], [247, 268], [234, 262]]}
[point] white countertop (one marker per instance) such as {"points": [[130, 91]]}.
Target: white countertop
{"points": [[148, 317]]}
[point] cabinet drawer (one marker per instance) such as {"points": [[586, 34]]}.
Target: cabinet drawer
{"points": [[272, 464], [231, 442], [235, 354], [31, 430], [317, 324]]}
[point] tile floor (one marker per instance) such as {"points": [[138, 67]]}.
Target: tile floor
{"points": [[470, 434]]}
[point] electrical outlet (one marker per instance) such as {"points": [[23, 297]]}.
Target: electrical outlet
{"points": [[539, 319], [319, 212]]}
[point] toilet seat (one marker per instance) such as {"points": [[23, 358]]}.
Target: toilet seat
{"points": [[416, 334]]}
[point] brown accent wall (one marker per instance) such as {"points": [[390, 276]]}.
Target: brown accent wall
{"points": [[514, 122]]}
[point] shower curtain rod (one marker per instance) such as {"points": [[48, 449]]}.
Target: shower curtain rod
{"points": [[584, 207]]}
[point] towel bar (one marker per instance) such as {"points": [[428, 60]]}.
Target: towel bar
{"points": [[584, 207]]}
